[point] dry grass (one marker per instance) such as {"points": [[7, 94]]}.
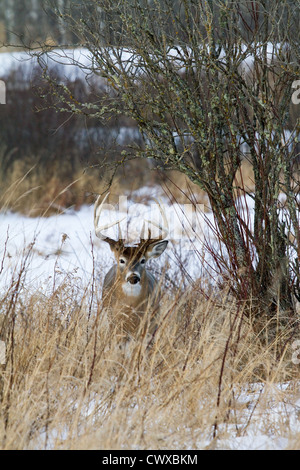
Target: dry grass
{"points": [[35, 190], [67, 383]]}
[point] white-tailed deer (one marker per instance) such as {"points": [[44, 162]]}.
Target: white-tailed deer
{"points": [[129, 290]]}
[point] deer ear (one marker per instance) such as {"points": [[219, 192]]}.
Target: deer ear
{"points": [[113, 244], [156, 249]]}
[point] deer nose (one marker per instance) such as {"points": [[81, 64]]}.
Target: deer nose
{"points": [[133, 279]]}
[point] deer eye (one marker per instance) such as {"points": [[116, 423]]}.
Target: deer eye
{"points": [[143, 261], [122, 260]]}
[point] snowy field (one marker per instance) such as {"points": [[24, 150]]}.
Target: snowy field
{"points": [[49, 252], [66, 243]]}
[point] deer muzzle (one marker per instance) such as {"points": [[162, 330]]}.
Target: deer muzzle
{"points": [[133, 278]]}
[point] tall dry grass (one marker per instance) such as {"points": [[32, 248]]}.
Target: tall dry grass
{"points": [[204, 381], [30, 189]]}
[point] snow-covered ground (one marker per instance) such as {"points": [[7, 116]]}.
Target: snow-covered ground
{"points": [[64, 62], [270, 420], [49, 253], [66, 243]]}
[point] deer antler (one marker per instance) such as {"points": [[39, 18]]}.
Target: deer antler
{"points": [[163, 229], [98, 230]]}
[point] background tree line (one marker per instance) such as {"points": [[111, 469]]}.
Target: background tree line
{"points": [[36, 21]]}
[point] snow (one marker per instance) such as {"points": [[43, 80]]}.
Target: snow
{"points": [[64, 61], [49, 253], [66, 243], [271, 418], [80, 62]]}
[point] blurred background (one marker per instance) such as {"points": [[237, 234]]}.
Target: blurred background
{"points": [[49, 160]]}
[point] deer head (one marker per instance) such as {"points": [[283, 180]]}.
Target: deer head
{"points": [[131, 260]]}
